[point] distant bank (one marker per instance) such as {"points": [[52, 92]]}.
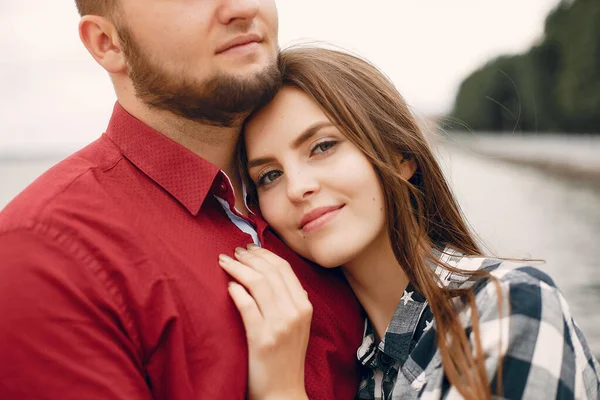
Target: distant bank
{"points": [[575, 157]]}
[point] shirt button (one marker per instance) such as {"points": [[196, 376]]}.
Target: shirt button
{"points": [[223, 187]]}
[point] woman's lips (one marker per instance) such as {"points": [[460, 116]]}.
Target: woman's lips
{"points": [[318, 217]]}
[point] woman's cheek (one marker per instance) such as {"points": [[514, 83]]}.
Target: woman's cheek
{"points": [[270, 210]]}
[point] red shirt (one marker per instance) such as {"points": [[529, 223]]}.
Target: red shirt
{"points": [[110, 286]]}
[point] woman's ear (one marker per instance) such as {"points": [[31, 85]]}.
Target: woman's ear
{"points": [[407, 167]]}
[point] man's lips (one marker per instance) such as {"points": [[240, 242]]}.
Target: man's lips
{"points": [[310, 219], [239, 41]]}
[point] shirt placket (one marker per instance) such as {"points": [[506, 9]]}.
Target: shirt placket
{"points": [[224, 193]]}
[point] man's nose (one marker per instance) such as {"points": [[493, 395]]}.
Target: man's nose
{"points": [[238, 10]]}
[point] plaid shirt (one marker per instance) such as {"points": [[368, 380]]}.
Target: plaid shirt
{"points": [[545, 353]]}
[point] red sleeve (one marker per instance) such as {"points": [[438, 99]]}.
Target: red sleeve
{"points": [[61, 336]]}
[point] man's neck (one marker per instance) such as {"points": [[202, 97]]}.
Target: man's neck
{"points": [[216, 145]]}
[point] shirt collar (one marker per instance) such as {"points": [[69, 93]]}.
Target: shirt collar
{"points": [[186, 176], [398, 336], [400, 331]]}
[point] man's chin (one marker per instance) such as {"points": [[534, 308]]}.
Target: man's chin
{"points": [[222, 100], [247, 73]]}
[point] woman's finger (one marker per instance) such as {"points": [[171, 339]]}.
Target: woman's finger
{"points": [[266, 296], [297, 292], [251, 316], [272, 274], [246, 276]]}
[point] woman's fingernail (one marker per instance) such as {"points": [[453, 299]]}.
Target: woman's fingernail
{"points": [[239, 251], [224, 259], [252, 246]]}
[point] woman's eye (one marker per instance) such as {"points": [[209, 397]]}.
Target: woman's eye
{"points": [[323, 147], [268, 177]]}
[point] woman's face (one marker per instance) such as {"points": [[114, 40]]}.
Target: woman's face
{"points": [[315, 188]]}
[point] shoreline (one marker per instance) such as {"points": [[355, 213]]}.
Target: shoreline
{"points": [[574, 157]]}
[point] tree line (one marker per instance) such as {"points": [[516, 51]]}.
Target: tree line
{"points": [[553, 87]]}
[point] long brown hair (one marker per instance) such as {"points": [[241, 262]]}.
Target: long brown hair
{"points": [[421, 212]]}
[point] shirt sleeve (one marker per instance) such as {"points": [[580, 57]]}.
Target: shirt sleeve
{"points": [[543, 353], [61, 336]]}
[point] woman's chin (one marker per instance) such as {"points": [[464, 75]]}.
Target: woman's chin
{"points": [[328, 265], [329, 259], [328, 254]]}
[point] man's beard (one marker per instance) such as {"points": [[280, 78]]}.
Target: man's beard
{"points": [[223, 100]]}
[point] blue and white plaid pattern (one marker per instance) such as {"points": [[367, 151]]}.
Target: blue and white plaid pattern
{"points": [[545, 355]]}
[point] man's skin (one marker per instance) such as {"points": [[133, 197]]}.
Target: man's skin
{"points": [[182, 39], [109, 278]]}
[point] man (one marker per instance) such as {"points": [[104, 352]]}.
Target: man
{"points": [[109, 280]]}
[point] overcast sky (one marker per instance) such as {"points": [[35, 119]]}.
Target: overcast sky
{"points": [[53, 95]]}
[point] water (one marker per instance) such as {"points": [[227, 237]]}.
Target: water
{"points": [[523, 212], [517, 211]]}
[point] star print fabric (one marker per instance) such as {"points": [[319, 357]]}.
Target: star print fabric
{"points": [[382, 361], [406, 363]]}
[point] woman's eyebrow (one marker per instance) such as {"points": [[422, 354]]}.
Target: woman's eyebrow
{"points": [[301, 139], [309, 132], [259, 161]]}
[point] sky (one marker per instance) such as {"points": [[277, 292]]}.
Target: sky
{"points": [[54, 97]]}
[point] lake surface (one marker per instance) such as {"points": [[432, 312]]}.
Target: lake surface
{"points": [[523, 212], [517, 211]]}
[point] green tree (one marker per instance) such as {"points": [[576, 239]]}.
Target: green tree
{"points": [[553, 87]]}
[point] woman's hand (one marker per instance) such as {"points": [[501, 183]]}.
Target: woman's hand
{"points": [[276, 313]]}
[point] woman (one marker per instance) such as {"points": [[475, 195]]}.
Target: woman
{"points": [[343, 174]]}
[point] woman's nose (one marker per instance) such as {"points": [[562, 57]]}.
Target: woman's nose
{"points": [[301, 186]]}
